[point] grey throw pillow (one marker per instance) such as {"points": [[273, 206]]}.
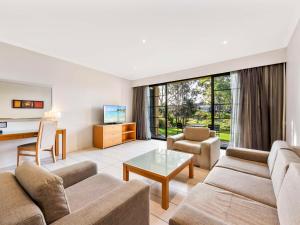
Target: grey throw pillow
{"points": [[46, 189]]}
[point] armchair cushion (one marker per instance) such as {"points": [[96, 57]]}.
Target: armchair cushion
{"points": [[45, 189], [126, 205], [76, 173], [196, 133], [88, 190], [193, 147]]}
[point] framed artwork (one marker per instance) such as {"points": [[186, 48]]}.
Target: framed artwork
{"points": [[27, 104], [16, 104], [38, 104]]}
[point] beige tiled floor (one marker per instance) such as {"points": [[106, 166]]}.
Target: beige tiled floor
{"points": [[110, 161]]}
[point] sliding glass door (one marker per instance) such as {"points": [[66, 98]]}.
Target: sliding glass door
{"points": [[158, 111], [222, 108], [201, 102]]}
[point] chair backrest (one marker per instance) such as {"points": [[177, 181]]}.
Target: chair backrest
{"points": [[46, 135], [196, 133]]}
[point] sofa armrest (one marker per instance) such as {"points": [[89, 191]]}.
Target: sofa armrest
{"points": [[76, 173], [248, 154], [210, 149], [172, 139], [126, 205], [186, 214]]}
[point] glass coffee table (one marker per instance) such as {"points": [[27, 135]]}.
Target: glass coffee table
{"points": [[160, 165]]}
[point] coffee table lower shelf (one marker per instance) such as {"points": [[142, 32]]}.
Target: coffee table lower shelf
{"points": [[164, 180]]}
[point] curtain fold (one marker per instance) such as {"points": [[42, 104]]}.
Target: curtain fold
{"points": [[140, 112], [259, 115]]}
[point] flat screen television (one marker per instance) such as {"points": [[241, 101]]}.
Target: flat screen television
{"points": [[114, 114]]}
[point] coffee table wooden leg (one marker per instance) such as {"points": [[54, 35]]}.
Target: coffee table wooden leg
{"points": [[125, 173], [165, 194], [191, 169]]}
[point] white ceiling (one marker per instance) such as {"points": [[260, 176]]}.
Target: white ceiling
{"points": [[108, 35]]}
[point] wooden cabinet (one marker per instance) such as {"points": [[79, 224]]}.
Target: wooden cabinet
{"points": [[105, 136]]}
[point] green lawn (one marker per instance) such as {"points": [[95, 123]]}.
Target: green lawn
{"points": [[223, 135]]}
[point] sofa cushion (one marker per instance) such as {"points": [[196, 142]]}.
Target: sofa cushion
{"points": [[45, 189], [196, 133], [207, 204], [256, 188], [283, 159], [288, 201], [245, 166], [12, 195], [273, 153], [193, 147], [88, 190]]}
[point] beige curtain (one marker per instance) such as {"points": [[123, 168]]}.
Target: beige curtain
{"points": [[260, 113], [140, 112]]}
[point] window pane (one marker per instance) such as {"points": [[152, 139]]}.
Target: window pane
{"points": [[222, 111], [157, 112], [158, 128], [222, 83], [223, 97]]}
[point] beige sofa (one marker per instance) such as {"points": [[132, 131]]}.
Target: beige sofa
{"points": [[247, 187], [75, 195], [199, 141]]}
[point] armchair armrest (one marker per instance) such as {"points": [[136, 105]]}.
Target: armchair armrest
{"points": [[248, 154], [212, 133], [76, 173], [172, 139], [210, 151], [126, 205]]}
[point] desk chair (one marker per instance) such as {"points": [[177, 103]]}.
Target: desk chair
{"points": [[45, 142]]}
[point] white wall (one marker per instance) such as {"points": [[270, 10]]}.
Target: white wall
{"points": [[293, 88], [267, 58], [78, 93], [20, 91]]}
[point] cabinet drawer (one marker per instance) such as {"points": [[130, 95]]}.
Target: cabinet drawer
{"points": [[112, 129], [111, 140]]}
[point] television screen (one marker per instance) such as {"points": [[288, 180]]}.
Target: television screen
{"points": [[114, 114]]}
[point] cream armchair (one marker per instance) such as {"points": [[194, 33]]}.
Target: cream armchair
{"points": [[199, 141]]}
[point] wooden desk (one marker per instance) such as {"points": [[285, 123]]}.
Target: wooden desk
{"points": [[30, 134]]}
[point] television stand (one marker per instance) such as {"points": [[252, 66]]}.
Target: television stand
{"points": [[108, 135]]}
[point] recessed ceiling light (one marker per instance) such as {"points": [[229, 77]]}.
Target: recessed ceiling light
{"points": [[144, 41], [225, 42]]}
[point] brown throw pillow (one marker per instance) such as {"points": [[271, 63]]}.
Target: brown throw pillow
{"points": [[46, 189]]}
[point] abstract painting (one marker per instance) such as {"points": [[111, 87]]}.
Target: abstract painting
{"points": [[27, 104]]}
